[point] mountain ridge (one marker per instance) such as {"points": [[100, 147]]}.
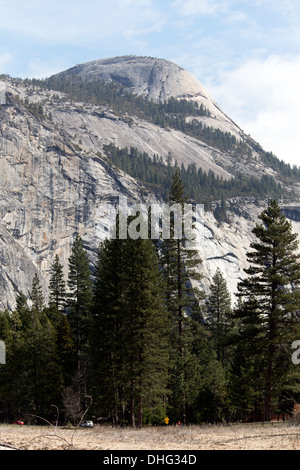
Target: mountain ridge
{"points": [[140, 71], [155, 79], [56, 174]]}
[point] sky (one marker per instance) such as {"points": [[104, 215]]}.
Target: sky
{"points": [[246, 53]]}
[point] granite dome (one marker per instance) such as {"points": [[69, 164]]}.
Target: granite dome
{"points": [[155, 79]]}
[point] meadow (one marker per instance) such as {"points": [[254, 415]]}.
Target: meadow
{"points": [[256, 436]]}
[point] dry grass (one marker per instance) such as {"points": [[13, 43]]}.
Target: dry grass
{"points": [[278, 436]]}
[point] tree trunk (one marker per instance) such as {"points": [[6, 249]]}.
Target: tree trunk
{"points": [[140, 412], [132, 413]]}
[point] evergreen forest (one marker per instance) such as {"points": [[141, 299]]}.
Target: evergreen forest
{"points": [[133, 340], [201, 187]]}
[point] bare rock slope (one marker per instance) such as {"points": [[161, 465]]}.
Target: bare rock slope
{"points": [[155, 79], [55, 176]]}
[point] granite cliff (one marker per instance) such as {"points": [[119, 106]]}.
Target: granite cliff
{"points": [[55, 175]]}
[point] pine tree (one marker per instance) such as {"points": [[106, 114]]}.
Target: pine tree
{"points": [[219, 310], [273, 282], [180, 265], [146, 322], [80, 294], [36, 295], [12, 384], [42, 376], [246, 373], [32, 376], [57, 285], [130, 329], [107, 344], [22, 309], [66, 350]]}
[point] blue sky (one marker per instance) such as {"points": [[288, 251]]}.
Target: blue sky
{"points": [[246, 53]]}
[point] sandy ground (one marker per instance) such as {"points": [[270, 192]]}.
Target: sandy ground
{"points": [[275, 436]]}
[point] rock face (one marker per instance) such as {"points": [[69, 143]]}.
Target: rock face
{"points": [[48, 193], [155, 79], [55, 177]]}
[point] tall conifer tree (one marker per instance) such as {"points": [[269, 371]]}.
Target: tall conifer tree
{"points": [[36, 295], [80, 295], [181, 268], [107, 338], [219, 311], [130, 330], [57, 285], [272, 285]]}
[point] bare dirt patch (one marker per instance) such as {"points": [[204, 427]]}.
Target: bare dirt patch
{"points": [[233, 437]]}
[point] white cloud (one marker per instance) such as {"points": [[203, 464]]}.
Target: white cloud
{"points": [[207, 37], [5, 59], [75, 23], [288, 8], [198, 7], [39, 68], [263, 97], [46, 37]]}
